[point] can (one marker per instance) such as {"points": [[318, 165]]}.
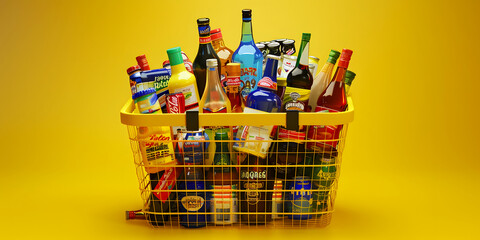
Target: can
{"points": [[277, 199], [176, 103], [288, 47], [300, 197]]}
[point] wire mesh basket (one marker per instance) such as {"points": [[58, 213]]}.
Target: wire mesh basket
{"points": [[272, 170]]}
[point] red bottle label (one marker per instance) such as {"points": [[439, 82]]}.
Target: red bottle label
{"points": [[233, 81], [176, 103], [284, 134], [205, 40], [324, 133], [249, 71], [166, 183]]}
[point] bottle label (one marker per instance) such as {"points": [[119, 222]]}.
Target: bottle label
{"points": [[253, 196], [225, 204], [296, 99], [166, 183], [328, 135], [205, 40], [191, 99], [284, 134], [267, 83], [192, 203], [161, 86], [304, 57], [254, 175], [156, 148], [253, 140], [233, 81]]}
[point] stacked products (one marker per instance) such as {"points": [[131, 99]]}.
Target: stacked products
{"points": [[239, 174]]}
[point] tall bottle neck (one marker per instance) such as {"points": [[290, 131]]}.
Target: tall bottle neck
{"points": [[204, 34], [247, 32], [303, 54], [271, 69]]}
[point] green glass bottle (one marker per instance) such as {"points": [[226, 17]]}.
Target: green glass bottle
{"points": [[349, 76]]}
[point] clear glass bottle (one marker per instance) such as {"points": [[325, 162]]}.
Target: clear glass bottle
{"points": [[322, 79], [214, 99]]}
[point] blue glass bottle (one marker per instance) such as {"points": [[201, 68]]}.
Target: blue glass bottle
{"points": [[249, 56], [265, 97], [193, 202]]}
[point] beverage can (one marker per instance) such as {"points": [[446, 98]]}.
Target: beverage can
{"points": [[288, 47], [300, 198], [176, 103]]}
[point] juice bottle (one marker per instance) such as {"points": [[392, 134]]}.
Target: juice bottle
{"points": [[182, 80]]}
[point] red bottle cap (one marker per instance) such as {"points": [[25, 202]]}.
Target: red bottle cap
{"points": [[345, 58], [132, 69], [216, 34], [142, 62], [166, 63]]}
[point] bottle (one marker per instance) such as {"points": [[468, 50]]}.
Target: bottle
{"points": [[205, 51], [161, 199], [249, 56], [299, 80], [332, 99], [349, 76], [233, 87], [258, 188], [133, 82], [181, 80], [322, 79], [223, 52], [223, 181], [142, 62], [265, 97], [214, 100], [193, 201]]}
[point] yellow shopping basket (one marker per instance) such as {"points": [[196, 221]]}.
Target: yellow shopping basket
{"points": [[193, 174]]}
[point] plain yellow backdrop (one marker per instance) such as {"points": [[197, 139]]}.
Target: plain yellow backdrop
{"points": [[411, 163]]}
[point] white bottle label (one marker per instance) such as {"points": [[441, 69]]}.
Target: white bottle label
{"points": [[191, 98]]}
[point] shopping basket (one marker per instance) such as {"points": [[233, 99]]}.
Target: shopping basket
{"points": [[297, 193]]}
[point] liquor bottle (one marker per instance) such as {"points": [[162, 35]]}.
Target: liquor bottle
{"points": [[332, 99], [233, 87], [265, 97], [181, 80], [299, 80], [249, 56], [214, 100], [193, 201], [223, 52], [322, 79], [349, 76], [255, 200], [223, 181], [205, 51]]}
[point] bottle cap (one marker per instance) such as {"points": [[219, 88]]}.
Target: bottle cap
{"points": [[345, 58], [175, 56], [216, 34], [247, 14], [233, 69], [333, 56], [203, 21], [260, 46], [273, 44], [306, 36], [142, 62], [349, 76], [212, 62], [132, 69]]}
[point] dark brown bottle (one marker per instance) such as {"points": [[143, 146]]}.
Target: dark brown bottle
{"points": [[256, 200], [205, 51]]}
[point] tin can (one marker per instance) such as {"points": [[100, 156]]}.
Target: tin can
{"points": [[288, 47], [300, 197], [176, 103], [277, 199]]}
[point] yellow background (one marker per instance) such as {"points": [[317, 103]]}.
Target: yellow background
{"points": [[411, 163]]}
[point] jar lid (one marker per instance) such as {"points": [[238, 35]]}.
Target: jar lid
{"points": [[133, 68]]}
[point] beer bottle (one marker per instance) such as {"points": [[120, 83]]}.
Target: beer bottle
{"points": [[223, 181], [205, 51], [255, 202], [192, 202]]}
